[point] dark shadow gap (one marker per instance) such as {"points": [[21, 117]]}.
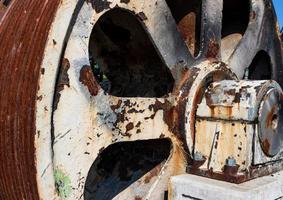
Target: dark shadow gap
{"points": [[187, 15], [5, 2], [124, 60], [261, 67], [121, 164], [235, 20]]}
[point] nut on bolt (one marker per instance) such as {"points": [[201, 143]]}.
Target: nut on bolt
{"points": [[198, 156], [231, 162], [231, 168], [197, 161]]}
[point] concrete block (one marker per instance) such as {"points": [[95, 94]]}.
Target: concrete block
{"points": [[184, 187]]}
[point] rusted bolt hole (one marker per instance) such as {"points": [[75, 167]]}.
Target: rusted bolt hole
{"points": [[121, 164], [123, 58]]}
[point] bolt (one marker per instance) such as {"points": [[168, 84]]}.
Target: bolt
{"points": [[198, 156], [246, 75], [231, 162]]}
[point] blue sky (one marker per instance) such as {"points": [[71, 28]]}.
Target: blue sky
{"points": [[278, 4]]}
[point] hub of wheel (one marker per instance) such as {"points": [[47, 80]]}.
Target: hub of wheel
{"points": [[238, 121]]}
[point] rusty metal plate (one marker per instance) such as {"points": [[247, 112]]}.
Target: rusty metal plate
{"points": [[271, 122]]}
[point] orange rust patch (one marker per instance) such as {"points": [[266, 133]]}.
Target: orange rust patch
{"points": [[186, 81], [187, 28], [266, 145], [179, 158], [23, 38], [229, 112], [212, 111], [87, 78], [213, 49], [269, 118]]}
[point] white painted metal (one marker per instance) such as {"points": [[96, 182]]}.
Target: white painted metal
{"points": [[187, 186]]}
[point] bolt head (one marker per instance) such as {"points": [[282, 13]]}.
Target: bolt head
{"points": [[198, 156]]}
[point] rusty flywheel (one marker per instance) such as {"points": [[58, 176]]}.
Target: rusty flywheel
{"points": [[107, 99]]}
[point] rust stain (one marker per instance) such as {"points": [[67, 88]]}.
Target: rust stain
{"points": [[179, 114], [180, 157], [210, 103], [138, 198], [199, 95], [229, 111], [99, 5], [19, 80], [169, 114], [179, 119], [232, 176], [42, 71], [133, 110], [121, 117], [125, 1], [209, 100], [269, 119], [129, 126], [213, 49], [187, 29], [63, 80], [266, 145], [212, 111], [126, 134], [39, 98], [101, 149], [237, 98], [117, 106], [141, 16], [152, 174], [138, 124], [231, 170], [186, 82], [87, 78]]}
